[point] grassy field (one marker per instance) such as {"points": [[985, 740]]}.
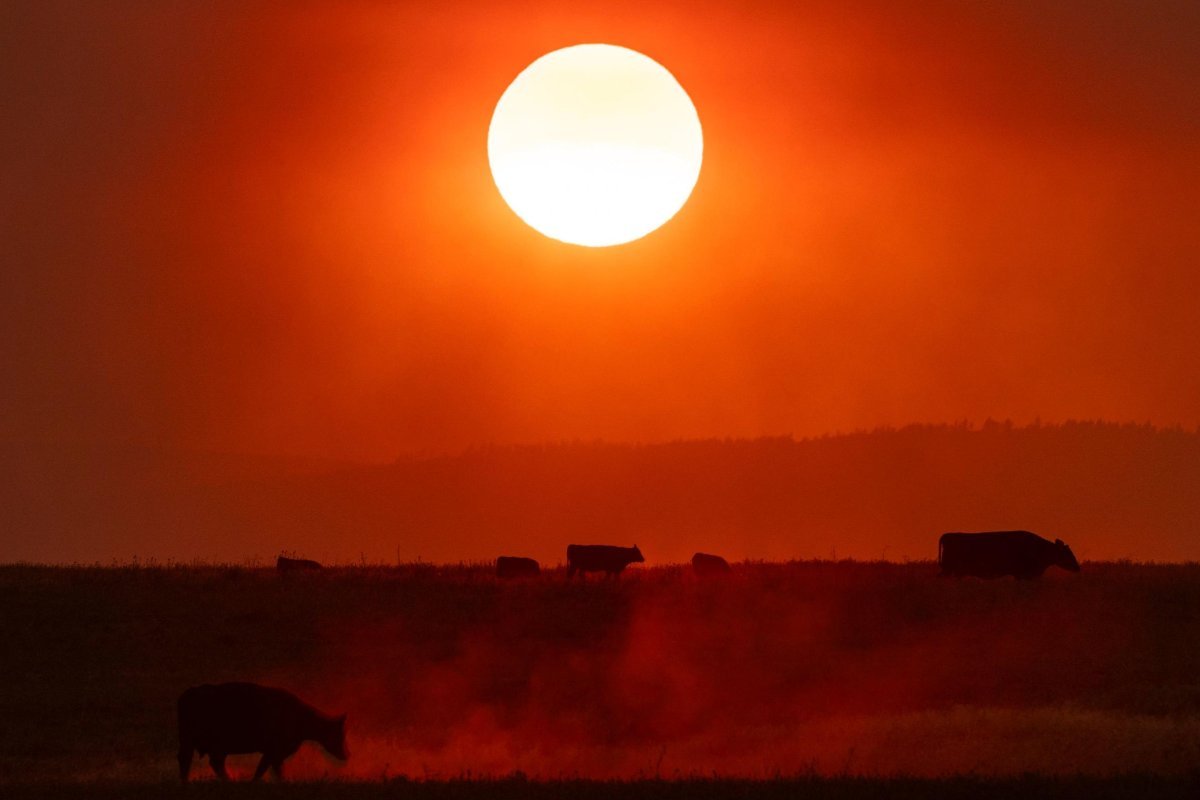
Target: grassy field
{"points": [[845, 673]]}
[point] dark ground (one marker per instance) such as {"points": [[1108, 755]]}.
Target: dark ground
{"points": [[1026, 787]]}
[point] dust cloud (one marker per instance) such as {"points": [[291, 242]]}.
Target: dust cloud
{"points": [[805, 668]]}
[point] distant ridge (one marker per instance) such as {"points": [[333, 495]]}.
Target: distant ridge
{"points": [[1111, 490]]}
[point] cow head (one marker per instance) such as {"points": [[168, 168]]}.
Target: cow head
{"points": [[637, 555], [1065, 558], [334, 739]]}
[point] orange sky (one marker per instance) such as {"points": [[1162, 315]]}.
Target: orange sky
{"points": [[271, 227]]}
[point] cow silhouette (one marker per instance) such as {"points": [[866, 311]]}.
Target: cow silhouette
{"points": [[995, 554], [605, 558], [516, 567], [706, 565], [233, 718], [287, 565]]}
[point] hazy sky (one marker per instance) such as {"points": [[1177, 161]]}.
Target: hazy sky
{"points": [[271, 227]]}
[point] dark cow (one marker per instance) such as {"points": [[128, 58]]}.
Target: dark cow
{"points": [[516, 567], [601, 558], [231, 718], [995, 554], [287, 565], [709, 566]]}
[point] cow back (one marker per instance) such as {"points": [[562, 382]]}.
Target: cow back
{"points": [[707, 565], [517, 567], [244, 718], [288, 565], [994, 554], [601, 557]]}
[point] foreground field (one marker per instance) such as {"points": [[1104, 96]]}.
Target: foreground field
{"points": [[807, 668]]}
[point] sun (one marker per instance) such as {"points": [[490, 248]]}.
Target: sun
{"points": [[595, 145]]}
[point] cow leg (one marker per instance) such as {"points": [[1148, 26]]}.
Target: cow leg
{"points": [[261, 769], [277, 768], [217, 762], [185, 761]]}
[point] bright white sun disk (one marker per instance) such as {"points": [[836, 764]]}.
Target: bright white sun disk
{"points": [[595, 145]]}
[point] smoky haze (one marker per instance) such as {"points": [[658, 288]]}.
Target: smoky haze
{"points": [[1111, 491], [780, 668], [272, 227]]}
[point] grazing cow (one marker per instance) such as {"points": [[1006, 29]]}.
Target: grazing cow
{"points": [[601, 558], [709, 566], [516, 567], [287, 565], [231, 718], [995, 554]]}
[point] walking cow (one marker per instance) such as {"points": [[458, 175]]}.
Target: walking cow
{"points": [[231, 718], [601, 558], [995, 554]]}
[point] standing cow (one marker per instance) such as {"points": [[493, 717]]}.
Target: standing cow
{"points": [[516, 567], [233, 718], [601, 558], [706, 565], [995, 554]]}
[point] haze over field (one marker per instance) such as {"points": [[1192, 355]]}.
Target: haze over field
{"points": [[1110, 491]]}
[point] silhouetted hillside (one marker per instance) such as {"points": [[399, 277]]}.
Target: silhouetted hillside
{"points": [[1111, 491]]}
